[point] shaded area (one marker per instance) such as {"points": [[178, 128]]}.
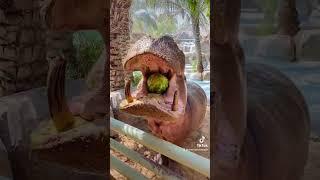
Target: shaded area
{"points": [[306, 75]]}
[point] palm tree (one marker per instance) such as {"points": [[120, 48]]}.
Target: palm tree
{"points": [[288, 18], [195, 10], [119, 40], [147, 22], [288, 21], [142, 18]]}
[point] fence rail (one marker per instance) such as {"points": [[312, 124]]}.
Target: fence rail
{"points": [[176, 153]]}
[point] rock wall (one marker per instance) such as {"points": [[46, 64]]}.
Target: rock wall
{"points": [[23, 45], [22, 48]]}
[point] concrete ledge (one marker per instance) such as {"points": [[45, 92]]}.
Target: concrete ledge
{"points": [[21, 113], [276, 46], [307, 42], [5, 165]]}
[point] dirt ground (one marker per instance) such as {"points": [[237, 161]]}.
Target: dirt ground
{"points": [[312, 169]]}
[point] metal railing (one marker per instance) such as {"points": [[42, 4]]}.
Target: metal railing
{"points": [[176, 153]]}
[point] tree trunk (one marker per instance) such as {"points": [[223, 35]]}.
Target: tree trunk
{"points": [[288, 21], [230, 89], [196, 34], [288, 18], [119, 40]]}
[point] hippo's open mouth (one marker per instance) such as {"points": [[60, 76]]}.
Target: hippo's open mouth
{"points": [[169, 105]]}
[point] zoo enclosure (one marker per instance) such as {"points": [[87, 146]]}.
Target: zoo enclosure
{"points": [[176, 153]]}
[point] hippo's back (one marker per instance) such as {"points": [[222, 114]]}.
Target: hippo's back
{"points": [[197, 100], [278, 121]]}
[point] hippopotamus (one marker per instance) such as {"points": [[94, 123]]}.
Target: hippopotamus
{"points": [[262, 125], [74, 15], [178, 111]]}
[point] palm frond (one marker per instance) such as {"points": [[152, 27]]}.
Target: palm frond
{"points": [[167, 6], [145, 16]]}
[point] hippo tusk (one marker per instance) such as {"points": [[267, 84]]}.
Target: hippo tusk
{"points": [[59, 111], [127, 91], [174, 106]]}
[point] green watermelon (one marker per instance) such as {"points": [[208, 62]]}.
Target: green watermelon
{"points": [[157, 83]]}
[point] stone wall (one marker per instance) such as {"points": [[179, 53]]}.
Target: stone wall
{"points": [[22, 48], [23, 45]]}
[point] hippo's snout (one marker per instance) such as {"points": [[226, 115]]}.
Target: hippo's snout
{"points": [[160, 57]]}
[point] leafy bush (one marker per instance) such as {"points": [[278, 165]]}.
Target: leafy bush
{"points": [[137, 76], [269, 8], [88, 46]]}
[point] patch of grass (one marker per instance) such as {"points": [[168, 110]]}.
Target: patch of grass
{"points": [[88, 46]]}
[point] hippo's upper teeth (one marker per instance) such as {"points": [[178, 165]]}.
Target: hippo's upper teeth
{"points": [[147, 70], [127, 91], [163, 70], [174, 106]]}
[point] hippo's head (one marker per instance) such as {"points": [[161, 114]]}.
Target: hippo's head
{"points": [[156, 56], [74, 14]]}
